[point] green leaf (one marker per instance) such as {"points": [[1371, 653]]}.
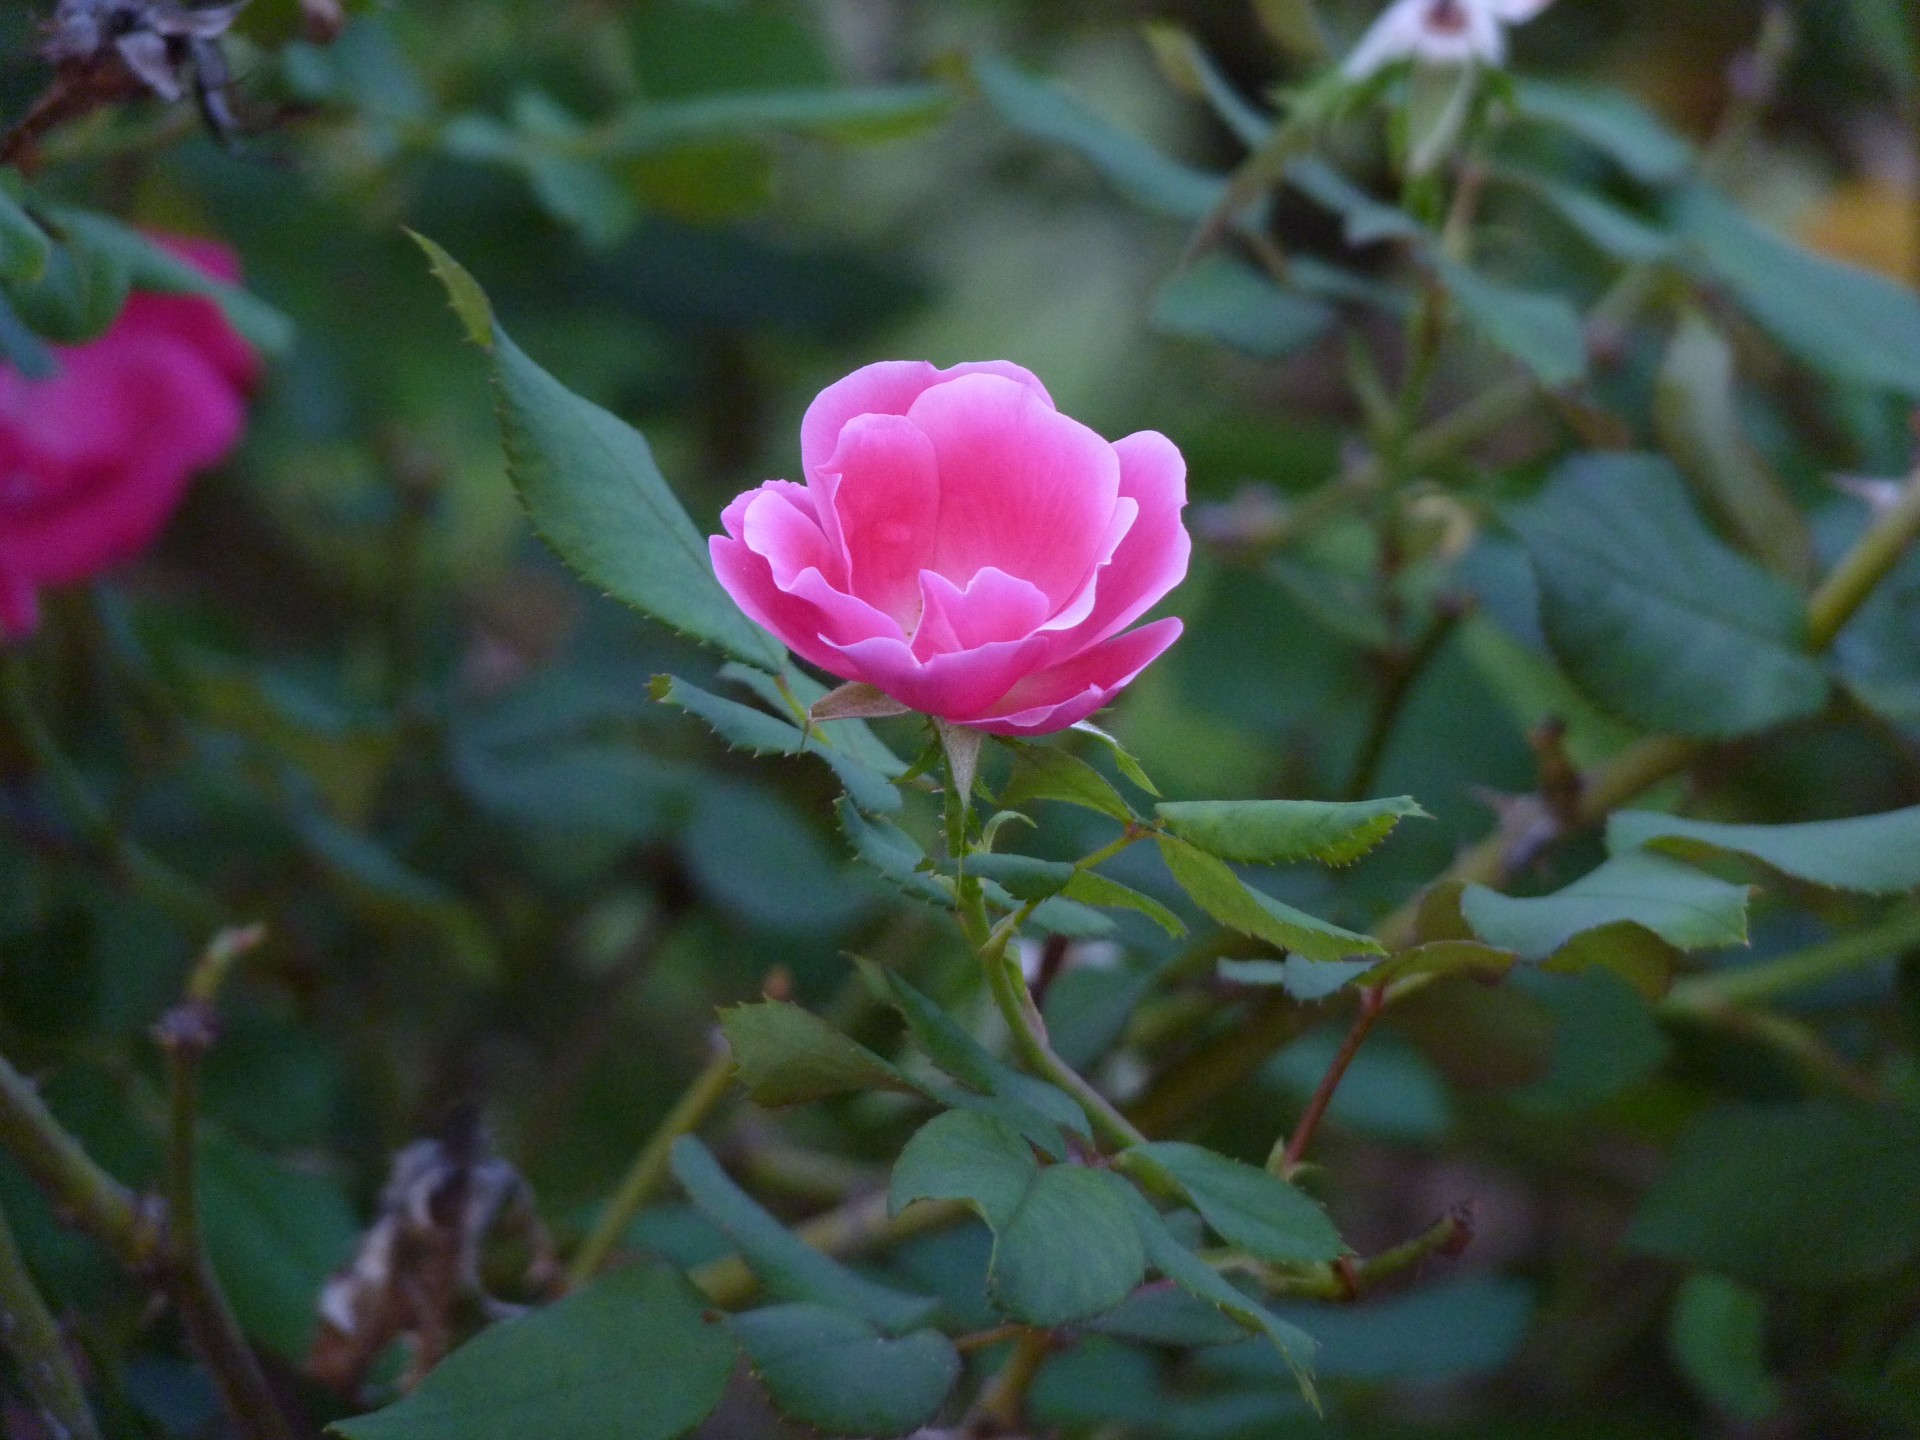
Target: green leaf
{"points": [[1814, 1193], [1366, 218], [1221, 299], [1224, 896], [793, 690], [949, 1046], [1612, 122], [1717, 1333], [1247, 1206], [869, 113], [1092, 888], [1696, 410], [790, 1267], [25, 248], [965, 1156], [1875, 854], [892, 852], [1171, 1258], [1654, 618], [789, 1056], [1846, 322], [1122, 757], [1540, 330], [1684, 907], [1617, 232], [836, 1373], [1134, 168], [1069, 1251], [758, 733], [631, 1357], [1064, 1249], [78, 293], [590, 484], [149, 267], [1042, 772], [274, 1234], [1274, 832]]}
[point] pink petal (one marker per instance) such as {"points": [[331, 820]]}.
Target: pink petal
{"points": [[777, 521], [109, 447], [995, 606], [1022, 487], [886, 493], [1153, 556], [803, 614], [887, 388], [1056, 698], [961, 686]]}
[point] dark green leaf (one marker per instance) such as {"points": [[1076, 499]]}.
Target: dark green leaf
{"points": [[1540, 330], [149, 267], [1068, 1251], [1683, 906], [1815, 1193], [1273, 832], [1224, 300], [888, 849], [1876, 854], [1443, 957], [877, 112], [1246, 1206], [759, 733], [1846, 322], [590, 483], [1064, 1247], [1224, 896], [1138, 171], [1042, 772], [1717, 1332], [24, 247], [838, 1374], [631, 1357], [965, 1156], [1612, 122], [1171, 1258], [1617, 232], [789, 1056], [790, 1267], [1654, 618], [1092, 888]]}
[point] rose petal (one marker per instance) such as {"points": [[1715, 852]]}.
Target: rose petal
{"points": [[995, 606], [1022, 487], [1068, 693], [804, 613], [887, 388], [886, 493], [960, 686], [1153, 556]]}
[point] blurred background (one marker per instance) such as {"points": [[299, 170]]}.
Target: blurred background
{"points": [[354, 696]]}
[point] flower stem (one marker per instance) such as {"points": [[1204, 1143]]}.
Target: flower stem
{"points": [[695, 1105], [1750, 984], [32, 1339]]}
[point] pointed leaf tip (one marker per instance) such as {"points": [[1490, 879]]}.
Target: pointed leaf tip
{"points": [[469, 301]]}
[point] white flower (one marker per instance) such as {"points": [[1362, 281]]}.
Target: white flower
{"points": [[1439, 32]]}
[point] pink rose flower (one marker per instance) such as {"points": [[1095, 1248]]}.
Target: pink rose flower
{"points": [[94, 459], [964, 547]]}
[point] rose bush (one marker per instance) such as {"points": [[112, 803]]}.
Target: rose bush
{"points": [[962, 546], [94, 458]]}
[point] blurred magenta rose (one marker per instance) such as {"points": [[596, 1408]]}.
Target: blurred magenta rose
{"points": [[94, 459], [964, 547]]}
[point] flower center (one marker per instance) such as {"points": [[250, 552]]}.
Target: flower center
{"points": [[1447, 17]]}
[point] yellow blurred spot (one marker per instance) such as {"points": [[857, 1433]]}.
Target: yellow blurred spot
{"points": [[1875, 223]]}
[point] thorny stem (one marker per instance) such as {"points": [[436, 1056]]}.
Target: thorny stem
{"points": [[32, 1338], [185, 1034], [1349, 1279], [649, 1168], [1373, 1004]]}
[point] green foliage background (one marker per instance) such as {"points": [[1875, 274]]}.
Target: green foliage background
{"points": [[353, 697]]}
